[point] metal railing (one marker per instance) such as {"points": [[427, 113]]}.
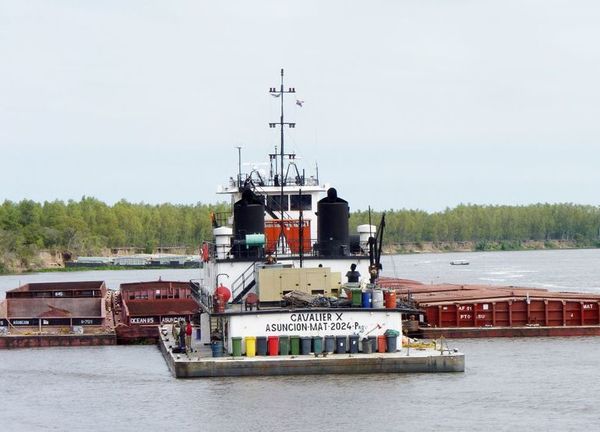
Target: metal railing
{"points": [[201, 295], [247, 277]]}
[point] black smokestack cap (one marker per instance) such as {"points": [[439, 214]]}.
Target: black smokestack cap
{"points": [[332, 194]]}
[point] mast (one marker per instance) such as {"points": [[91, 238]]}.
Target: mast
{"points": [[281, 180], [280, 94]]}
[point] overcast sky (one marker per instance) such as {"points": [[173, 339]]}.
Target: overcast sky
{"points": [[408, 104]]}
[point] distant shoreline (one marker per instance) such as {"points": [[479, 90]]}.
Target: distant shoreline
{"points": [[485, 246], [407, 248]]}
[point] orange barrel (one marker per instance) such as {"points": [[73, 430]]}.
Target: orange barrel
{"points": [[273, 345], [390, 300], [381, 344]]}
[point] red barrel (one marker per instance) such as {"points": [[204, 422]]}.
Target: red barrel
{"points": [[381, 344], [273, 345], [390, 300]]}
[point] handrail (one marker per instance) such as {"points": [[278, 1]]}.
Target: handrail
{"points": [[201, 295], [239, 284]]}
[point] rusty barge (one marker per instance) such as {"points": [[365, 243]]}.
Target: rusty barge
{"points": [[471, 311], [57, 314], [86, 313]]}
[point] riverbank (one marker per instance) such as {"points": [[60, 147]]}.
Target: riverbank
{"points": [[487, 246], [52, 261]]}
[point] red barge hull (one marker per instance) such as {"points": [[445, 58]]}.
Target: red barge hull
{"points": [[141, 307], [471, 311], [496, 332]]}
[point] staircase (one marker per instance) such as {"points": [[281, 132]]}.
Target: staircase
{"points": [[244, 283]]}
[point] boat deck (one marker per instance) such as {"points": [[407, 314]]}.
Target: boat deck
{"points": [[200, 362]]}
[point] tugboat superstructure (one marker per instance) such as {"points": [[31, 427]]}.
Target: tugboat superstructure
{"points": [[281, 215]]}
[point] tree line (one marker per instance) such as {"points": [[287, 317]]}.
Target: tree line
{"points": [[88, 226], [491, 223]]}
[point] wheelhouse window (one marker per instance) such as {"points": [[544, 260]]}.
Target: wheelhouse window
{"points": [[275, 202], [300, 202]]}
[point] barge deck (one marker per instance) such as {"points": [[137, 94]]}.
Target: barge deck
{"points": [[473, 311], [200, 364]]}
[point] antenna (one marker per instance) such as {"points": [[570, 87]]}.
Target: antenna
{"points": [[239, 166], [280, 94]]}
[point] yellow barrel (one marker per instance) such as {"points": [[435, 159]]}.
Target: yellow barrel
{"points": [[250, 346]]}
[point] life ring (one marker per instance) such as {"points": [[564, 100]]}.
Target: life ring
{"points": [[205, 255]]}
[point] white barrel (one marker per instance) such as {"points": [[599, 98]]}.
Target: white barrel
{"points": [[223, 241], [366, 231], [377, 299]]}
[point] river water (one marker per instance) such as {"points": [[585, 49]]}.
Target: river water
{"points": [[509, 384]]}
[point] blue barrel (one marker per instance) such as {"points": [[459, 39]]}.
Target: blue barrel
{"points": [[261, 345], [317, 344], [353, 344], [367, 299], [217, 348], [305, 345], [341, 343], [329, 344]]}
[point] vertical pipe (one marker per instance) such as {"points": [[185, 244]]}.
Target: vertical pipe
{"points": [[564, 313], [301, 229], [510, 313], [546, 319], [457, 315], [239, 167]]}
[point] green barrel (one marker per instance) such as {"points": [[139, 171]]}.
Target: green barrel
{"points": [[284, 345], [236, 342], [295, 344], [317, 344], [356, 298]]}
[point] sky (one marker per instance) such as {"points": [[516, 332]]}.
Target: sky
{"points": [[421, 104]]}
